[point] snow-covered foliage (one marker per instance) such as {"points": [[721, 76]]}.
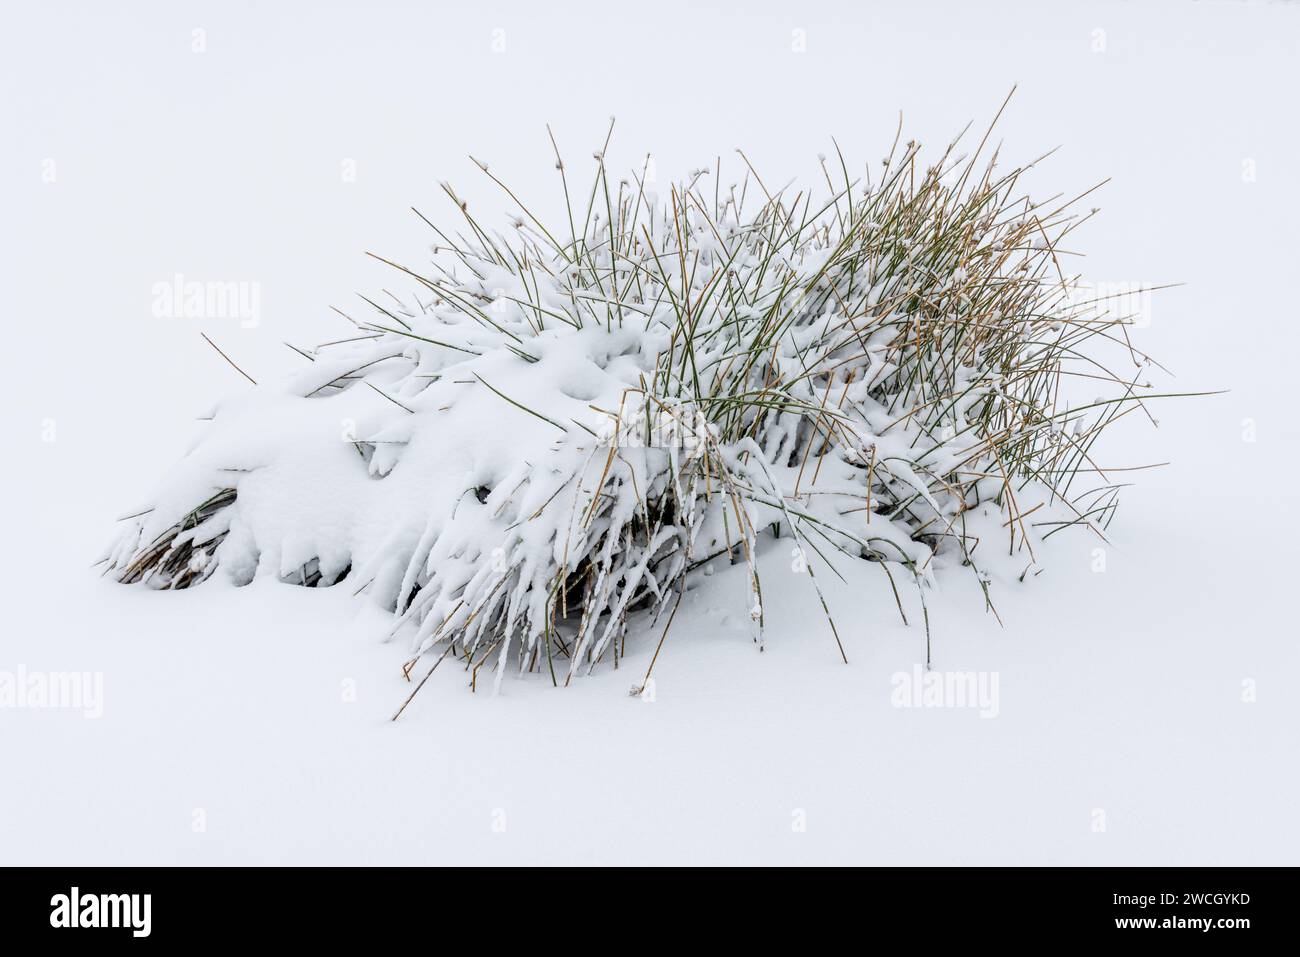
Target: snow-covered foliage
{"points": [[527, 457]]}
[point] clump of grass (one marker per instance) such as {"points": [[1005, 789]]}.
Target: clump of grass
{"points": [[879, 373], [179, 554]]}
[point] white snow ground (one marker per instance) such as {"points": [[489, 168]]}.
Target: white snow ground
{"points": [[1119, 691]]}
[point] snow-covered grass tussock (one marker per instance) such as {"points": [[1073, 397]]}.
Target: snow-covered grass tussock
{"points": [[528, 456]]}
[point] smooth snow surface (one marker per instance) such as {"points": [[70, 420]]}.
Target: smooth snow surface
{"points": [[1142, 713]]}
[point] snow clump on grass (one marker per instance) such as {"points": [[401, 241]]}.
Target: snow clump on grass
{"points": [[527, 457]]}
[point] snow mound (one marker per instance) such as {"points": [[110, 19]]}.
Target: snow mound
{"points": [[535, 450]]}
